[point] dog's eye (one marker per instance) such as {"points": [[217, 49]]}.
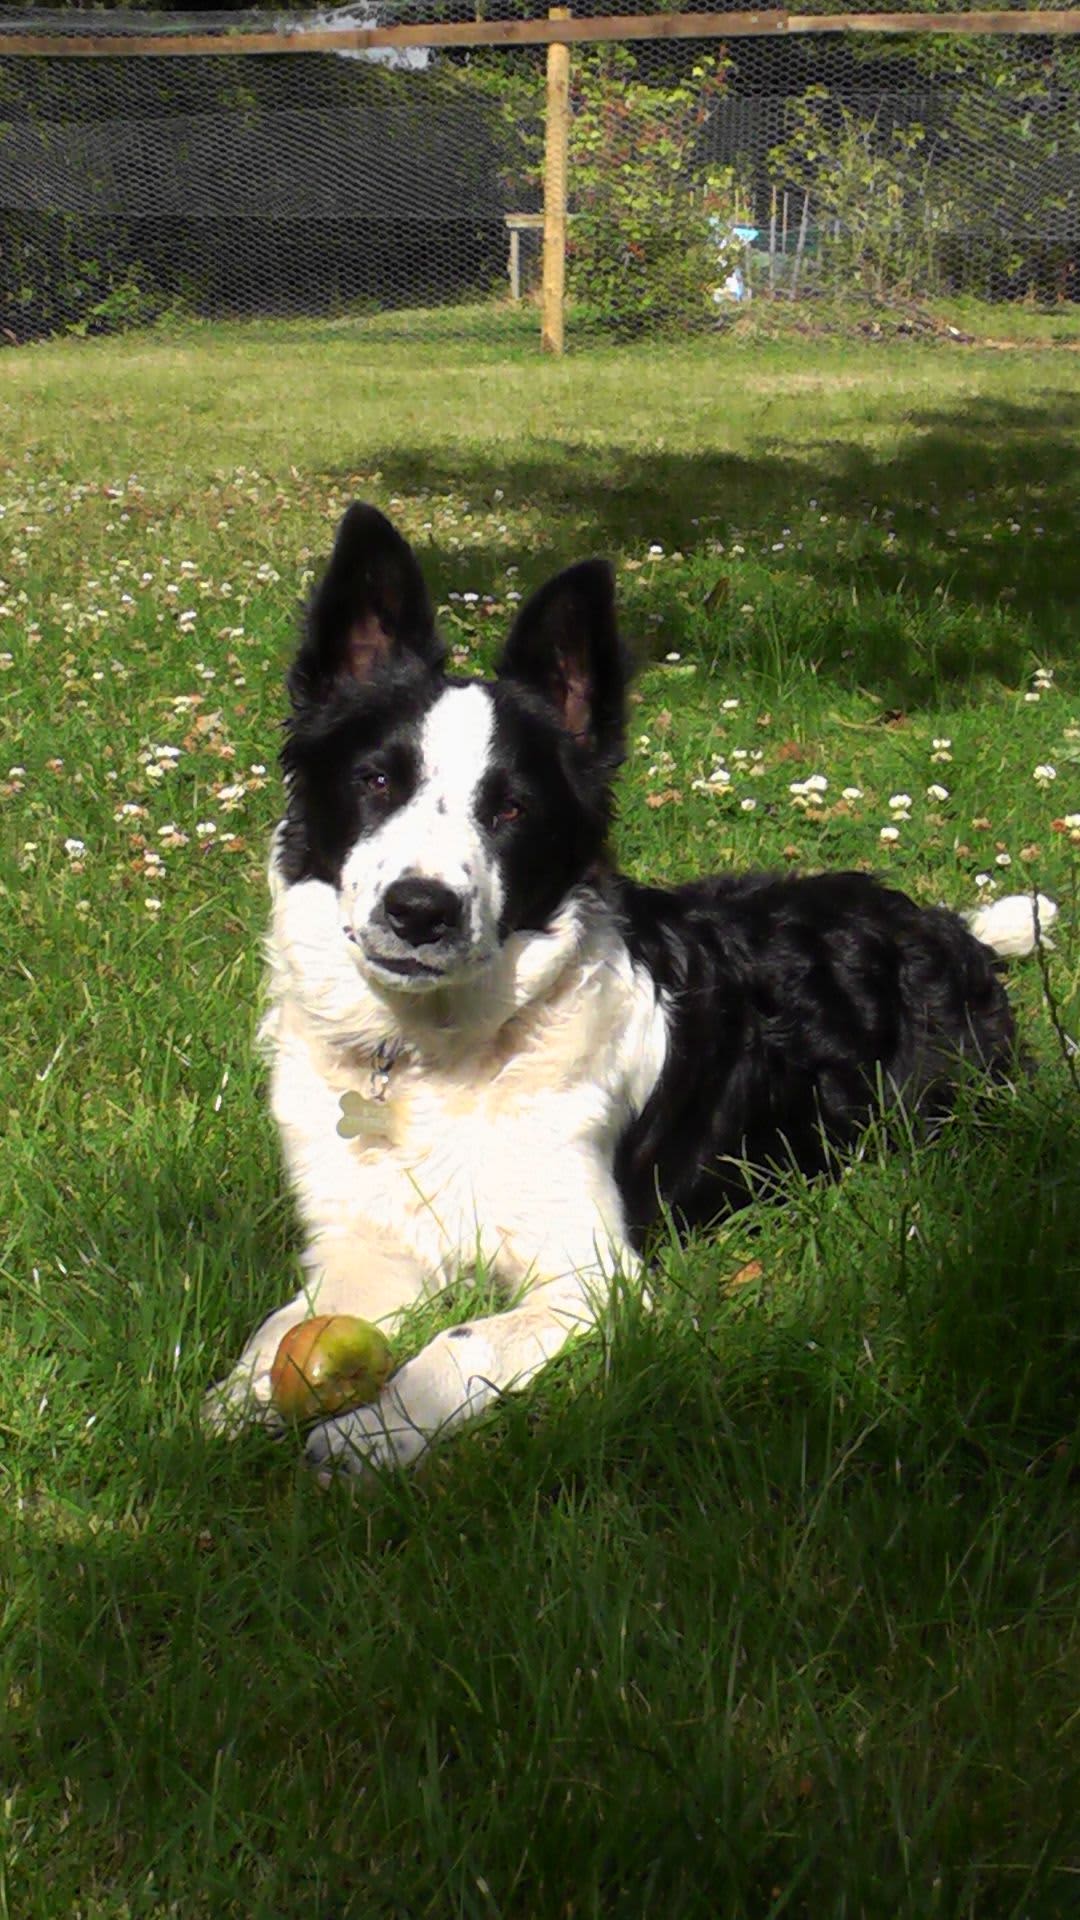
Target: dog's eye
{"points": [[373, 780], [506, 812]]}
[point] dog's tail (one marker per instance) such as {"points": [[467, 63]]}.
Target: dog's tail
{"points": [[1014, 926]]}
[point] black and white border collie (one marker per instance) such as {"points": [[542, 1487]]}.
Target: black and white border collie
{"points": [[489, 1048]]}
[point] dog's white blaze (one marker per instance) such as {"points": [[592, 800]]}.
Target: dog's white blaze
{"points": [[456, 746], [436, 835]]}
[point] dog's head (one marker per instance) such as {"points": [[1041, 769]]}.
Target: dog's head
{"points": [[449, 814]]}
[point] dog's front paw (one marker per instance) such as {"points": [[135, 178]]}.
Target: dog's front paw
{"points": [[370, 1440], [236, 1403]]}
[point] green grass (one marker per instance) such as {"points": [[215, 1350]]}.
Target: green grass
{"points": [[763, 1605]]}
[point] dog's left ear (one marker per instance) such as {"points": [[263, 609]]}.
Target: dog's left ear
{"points": [[565, 646]]}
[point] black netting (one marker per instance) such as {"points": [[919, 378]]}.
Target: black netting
{"points": [[703, 174]]}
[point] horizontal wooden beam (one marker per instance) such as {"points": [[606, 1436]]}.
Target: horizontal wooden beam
{"points": [[525, 33]]}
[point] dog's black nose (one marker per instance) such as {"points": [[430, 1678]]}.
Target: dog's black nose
{"points": [[421, 911]]}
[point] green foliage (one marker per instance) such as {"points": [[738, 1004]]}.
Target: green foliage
{"points": [[1009, 165], [983, 200], [870, 193], [513, 92], [130, 301], [643, 250], [67, 275]]}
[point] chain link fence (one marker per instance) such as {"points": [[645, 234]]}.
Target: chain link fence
{"points": [[406, 182]]}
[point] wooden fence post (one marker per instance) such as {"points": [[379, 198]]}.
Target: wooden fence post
{"points": [[556, 130]]}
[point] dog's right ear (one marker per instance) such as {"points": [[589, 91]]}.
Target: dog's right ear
{"points": [[370, 607]]}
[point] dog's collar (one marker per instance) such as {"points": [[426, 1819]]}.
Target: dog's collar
{"points": [[368, 1112]]}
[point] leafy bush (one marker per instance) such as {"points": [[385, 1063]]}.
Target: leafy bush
{"points": [[869, 189], [60, 273], [1009, 160], [646, 246]]}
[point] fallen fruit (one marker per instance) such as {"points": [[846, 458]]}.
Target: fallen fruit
{"points": [[328, 1363]]}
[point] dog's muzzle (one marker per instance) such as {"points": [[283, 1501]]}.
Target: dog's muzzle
{"points": [[418, 933]]}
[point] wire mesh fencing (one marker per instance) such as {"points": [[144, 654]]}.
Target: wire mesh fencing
{"points": [[703, 175]]}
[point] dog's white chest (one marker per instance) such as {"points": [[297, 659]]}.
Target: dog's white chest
{"points": [[466, 1172], [500, 1150]]}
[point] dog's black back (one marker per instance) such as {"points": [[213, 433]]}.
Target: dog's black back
{"points": [[794, 1006]]}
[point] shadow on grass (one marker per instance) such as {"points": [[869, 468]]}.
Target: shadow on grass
{"points": [[951, 559]]}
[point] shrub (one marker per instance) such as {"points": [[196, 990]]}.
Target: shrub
{"points": [[869, 187], [646, 244]]}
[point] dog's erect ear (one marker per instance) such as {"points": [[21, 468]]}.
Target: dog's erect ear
{"points": [[565, 646], [370, 605]]}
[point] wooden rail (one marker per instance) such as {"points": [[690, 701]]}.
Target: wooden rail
{"points": [[524, 33]]}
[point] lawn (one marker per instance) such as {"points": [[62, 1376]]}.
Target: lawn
{"points": [[765, 1604]]}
